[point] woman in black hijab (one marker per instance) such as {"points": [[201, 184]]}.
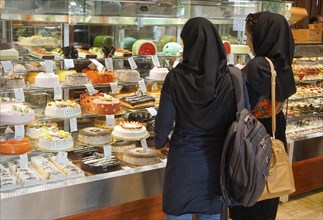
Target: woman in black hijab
{"points": [[268, 35], [198, 97]]}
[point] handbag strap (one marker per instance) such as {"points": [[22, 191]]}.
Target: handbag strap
{"points": [[273, 96]]}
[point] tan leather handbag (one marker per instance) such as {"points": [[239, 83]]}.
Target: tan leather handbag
{"points": [[280, 181]]}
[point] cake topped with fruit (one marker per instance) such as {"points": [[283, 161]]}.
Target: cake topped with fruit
{"points": [[130, 130], [36, 128], [15, 114], [63, 109], [55, 140], [13, 80]]}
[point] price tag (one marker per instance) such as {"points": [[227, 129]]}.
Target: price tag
{"points": [[7, 66], [152, 111], [23, 160], [110, 120], [99, 66], [58, 94], [49, 66], [69, 63], [155, 60], [132, 63], [107, 151], [90, 88], [142, 86], [108, 63], [175, 63], [114, 88], [19, 95], [230, 59], [62, 158], [19, 132], [73, 124], [144, 144]]}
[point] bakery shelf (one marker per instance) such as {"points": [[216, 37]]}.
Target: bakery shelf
{"points": [[304, 98], [312, 115], [310, 135]]}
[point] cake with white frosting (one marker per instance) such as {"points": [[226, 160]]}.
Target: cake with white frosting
{"points": [[129, 131], [46, 80], [55, 140], [158, 73], [62, 109]]}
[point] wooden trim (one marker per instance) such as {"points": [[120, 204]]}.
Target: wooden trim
{"points": [[308, 175]]}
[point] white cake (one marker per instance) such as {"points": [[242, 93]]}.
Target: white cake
{"points": [[27, 176], [46, 80], [35, 129], [7, 180], [46, 169], [15, 114], [129, 131], [76, 79], [38, 40], [55, 141], [62, 109], [94, 136], [141, 157], [9, 54], [158, 73], [127, 75]]}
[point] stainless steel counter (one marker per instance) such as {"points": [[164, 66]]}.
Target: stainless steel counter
{"points": [[54, 200]]}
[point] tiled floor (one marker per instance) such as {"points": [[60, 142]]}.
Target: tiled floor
{"points": [[306, 207]]}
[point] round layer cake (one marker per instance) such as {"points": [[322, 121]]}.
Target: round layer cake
{"points": [[15, 114], [141, 157], [46, 80], [76, 79], [13, 147], [97, 163], [55, 141], [120, 147], [86, 100], [129, 131], [127, 75], [62, 109], [35, 129], [94, 136], [106, 105], [158, 73]]}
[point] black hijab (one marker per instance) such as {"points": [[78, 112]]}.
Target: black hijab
{"points": [[272, 38], [201, 84]]}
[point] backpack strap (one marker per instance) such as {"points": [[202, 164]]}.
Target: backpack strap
{"points": [[240, 89]]}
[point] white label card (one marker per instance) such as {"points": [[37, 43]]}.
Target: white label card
{"points": [[73, 124], [110, 120], [19, 95], [62, 158], [69, 63], [142, 86], [7, 66], [155, 60], [108, 63], [132, 63], [152, 111], [90, 88], [99, 66], [107, 151], [144, 144], [23, 160], [49, 66], [58, 94], [114, 88], [19, 132]]}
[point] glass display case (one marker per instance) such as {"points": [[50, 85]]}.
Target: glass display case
{"points": [[93, 25]]}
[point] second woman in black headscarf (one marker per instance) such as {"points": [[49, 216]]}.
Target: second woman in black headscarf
{"points": [[197, 96]]}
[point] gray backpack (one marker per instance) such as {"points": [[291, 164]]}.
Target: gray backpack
{"points": [[246, 153]]}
